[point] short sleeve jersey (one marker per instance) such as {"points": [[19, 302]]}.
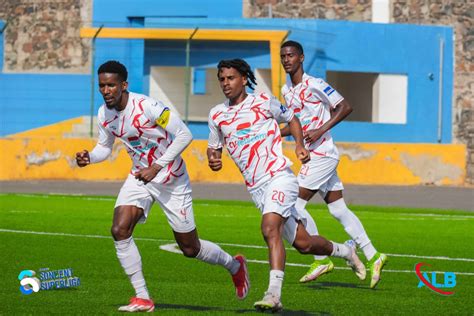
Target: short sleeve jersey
{"points": [[311, 100], [252, 136], [141, 126]]}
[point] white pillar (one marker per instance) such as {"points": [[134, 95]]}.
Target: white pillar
{"points": [[381, 11]]}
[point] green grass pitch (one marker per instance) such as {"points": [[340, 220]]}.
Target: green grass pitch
{"points": [[56, 232]]}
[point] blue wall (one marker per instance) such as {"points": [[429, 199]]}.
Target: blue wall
{"points": [[116, 13], [412, 50], [30, 101]]}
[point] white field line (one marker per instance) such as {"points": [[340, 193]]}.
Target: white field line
{"points": [[344, 268], [91, 198], [2, 230], [174, 249]]}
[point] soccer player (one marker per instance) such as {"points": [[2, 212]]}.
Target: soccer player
{"points": [[319, 108], [247, 125], [154, 138]]}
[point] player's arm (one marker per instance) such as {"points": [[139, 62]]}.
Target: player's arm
{"points": [[214, 145], [283, 114], [339, 108], [214, 158], [101, 151], [294, 127], [338, 114], [182, 138]]}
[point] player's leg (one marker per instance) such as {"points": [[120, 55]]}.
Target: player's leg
{"points": [[318, 245], [176, 202], [132, 206], [209, 252], [276, 200], [272, 229], [353, 226], [311, 177]]}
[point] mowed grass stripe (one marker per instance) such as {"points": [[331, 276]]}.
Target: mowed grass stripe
{"points": [[2, 230], [181, 286]]}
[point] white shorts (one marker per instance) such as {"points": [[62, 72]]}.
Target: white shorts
{"points": [[320, 174], [175, 200], [279, 196]]}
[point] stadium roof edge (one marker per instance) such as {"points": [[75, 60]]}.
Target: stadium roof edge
{"points": [[274, 37]]}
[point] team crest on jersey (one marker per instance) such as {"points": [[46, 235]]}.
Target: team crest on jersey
{"points": [[283, 108], [164, 118]]}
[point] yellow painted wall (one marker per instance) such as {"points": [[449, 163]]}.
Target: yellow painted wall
{"points": [[25, 158]]}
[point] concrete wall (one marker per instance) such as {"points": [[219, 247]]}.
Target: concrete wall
{"points": [[459, 15], [456, 14], [34, 94], [31, 156]]}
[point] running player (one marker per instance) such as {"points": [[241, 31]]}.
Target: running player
{"points": [[319, 108], [247, 125], [154, 137]]}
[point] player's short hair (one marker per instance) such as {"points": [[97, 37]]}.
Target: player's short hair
{"points": [[242, 67], [114, 67], [294, 44]]}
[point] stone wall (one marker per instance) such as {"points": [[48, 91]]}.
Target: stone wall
{"points": [[354, 10], [460, 15], [43, 36]]}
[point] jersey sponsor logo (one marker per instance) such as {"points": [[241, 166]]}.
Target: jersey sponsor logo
{"points": [[249, 140], [243, 129], [164, 118], [328, 90], [134, 141]]}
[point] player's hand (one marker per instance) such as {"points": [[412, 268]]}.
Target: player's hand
{"points": [[149, 173], [82, 158], [312, 135], [215, 162], [302, 154]]}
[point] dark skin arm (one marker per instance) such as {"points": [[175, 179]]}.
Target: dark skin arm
{"points": [[214, 158], [294, 127], [82, 158], [339, 113], [149, 173]]}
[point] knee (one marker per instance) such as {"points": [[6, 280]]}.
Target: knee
{"points": [[120, 233], [189, 251], [270, 232]]}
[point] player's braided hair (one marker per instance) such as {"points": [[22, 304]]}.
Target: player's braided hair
{"points": [[114, 67], [294, 44], [242, 67]]}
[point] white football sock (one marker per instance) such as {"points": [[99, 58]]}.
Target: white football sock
{"points": [[213, 254], [276, 282], [129, 257], [352, 226], [340, 251], [309, 222]]}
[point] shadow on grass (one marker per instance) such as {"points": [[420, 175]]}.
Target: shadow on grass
{"points": [[287, 312], [326, 285], [196, 308]]}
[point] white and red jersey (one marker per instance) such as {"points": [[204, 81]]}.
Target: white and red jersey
{"points": [[252, 136], [144, 130], [311, 100]]}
